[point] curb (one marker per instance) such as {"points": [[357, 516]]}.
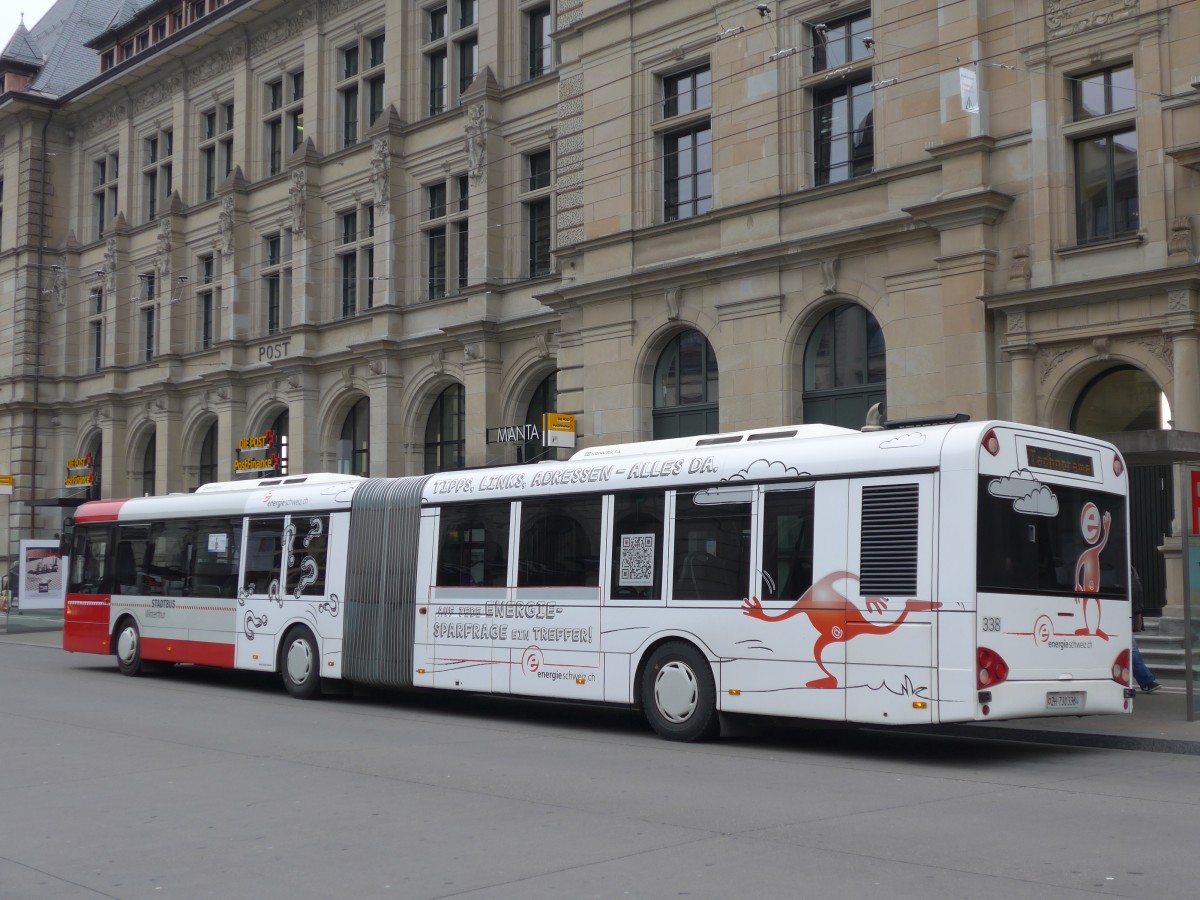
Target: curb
{"points": [[1070, 739]]}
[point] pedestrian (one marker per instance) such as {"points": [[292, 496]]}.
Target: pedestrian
{"points": [[1141, 672]]}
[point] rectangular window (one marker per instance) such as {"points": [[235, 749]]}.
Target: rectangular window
{"points": [[687, 92], [374, 99], [264, 555], [468, 13], [537, 36], [843, 130], [468, 63], [97, 346], [156, 171], [539, 170], [437, 82], [560, 543], [273, 303], [350, 117], [464, 193], [437, 22], [1106, 164], [436, 254], [205, 295], [687, 173], [473, 545], [538, 226], [149, 333], [349, 285], [712, 544], [305, 576], [462, 241], [216, 148], [437, 200], [788, 531], [637, 542], [1105, 92], [349, 62], [838, 42], [349, 227], [375, 48]]}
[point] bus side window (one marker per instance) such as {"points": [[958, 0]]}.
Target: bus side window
{"points": [[712, 544], [218, 547], [560, 543], [264, 556], [306, 562], [473, 545], [167, 559], [787, 554], [90, 560], [637, 542]]}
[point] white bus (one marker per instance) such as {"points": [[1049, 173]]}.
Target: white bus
{"points": [[938, 572]]}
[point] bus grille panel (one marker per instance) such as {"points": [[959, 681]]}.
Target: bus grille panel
{"points": [[385, 521]]}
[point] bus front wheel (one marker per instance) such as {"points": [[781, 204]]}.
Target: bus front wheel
{"points": [[679, 695], [128, 648], [301, 664]]}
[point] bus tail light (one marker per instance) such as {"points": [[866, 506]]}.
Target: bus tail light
{"points": [[990, 669], [1120, 668], [991, 443], [1118, 465]]}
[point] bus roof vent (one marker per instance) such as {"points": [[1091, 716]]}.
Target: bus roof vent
{"points": [[771, 435], [714, 441]]}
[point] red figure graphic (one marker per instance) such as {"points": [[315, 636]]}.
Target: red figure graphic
{"points": [[1087, 570], [830, 612]]}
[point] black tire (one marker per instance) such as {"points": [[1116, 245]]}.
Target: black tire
{"points": [[679, 696], [127, 647], [300, 664]]}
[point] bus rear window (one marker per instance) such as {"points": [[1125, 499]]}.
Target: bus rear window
{"points": [[1042, 538]]}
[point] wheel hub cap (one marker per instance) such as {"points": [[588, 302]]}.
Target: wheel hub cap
{"points": [[675, 692]]}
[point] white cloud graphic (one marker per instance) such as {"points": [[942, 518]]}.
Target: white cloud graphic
{"points": [[905, 439], [764, 468], [1039, 502]]}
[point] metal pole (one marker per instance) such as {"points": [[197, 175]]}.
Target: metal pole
{"points": [[1185, 520]]}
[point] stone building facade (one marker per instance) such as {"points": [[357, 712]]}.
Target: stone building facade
{"points": [[383, 230]]}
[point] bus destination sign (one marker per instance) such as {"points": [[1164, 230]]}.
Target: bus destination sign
{"points": [[1059, 461]]}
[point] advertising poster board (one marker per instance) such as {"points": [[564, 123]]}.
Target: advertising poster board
{"points": [[43, 576]]}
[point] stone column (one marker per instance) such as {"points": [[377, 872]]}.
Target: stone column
{"points": [[1024, 384]]}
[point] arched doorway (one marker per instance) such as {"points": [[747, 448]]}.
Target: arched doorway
{"points": [[1124, 399], [207, 472], [150, 466], [445, 438], [686, 388], [844, 368], [354, 444]]}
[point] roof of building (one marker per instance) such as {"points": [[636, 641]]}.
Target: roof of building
{"points": [[22, 48], [59, 39]]}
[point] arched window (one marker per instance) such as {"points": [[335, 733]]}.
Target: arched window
{"points": [[280, 427], [354, 447], [544, 400], [844, 368], [149, 467], [208, 456], [95, 450], [686, 388], [445, 445], [1121, 399]]}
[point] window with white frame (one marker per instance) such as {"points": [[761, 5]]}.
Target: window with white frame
{"points": [[686, 140], [356, 260], [445, 232], [105, 183], [360, 82], [539, 23], [216, 148], [843, 102], [451, 46], [1105, 144], [537, 203], [276, 282], [283, 123], [157, 171]]}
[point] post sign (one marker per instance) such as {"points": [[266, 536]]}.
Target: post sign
{"points": [[6, 485], [80, 472], [257, 465], [559, 430]]}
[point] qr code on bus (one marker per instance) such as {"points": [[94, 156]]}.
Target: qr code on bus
{"points": [[637, 560]]}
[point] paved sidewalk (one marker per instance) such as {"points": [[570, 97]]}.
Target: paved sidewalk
{"points": [[1157, 724]]}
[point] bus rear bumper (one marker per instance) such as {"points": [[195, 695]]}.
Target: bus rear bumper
{"points": [[1039, 699]]}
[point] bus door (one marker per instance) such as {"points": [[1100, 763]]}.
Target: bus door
{"points": [[260, 594], [890, 608], [467, 603], [550, 628], [783, 661]]}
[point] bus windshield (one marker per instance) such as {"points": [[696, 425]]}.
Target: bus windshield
{"points": [[1041, 538]]}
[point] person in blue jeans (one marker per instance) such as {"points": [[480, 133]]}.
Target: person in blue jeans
{"points": [[1141, 672]]}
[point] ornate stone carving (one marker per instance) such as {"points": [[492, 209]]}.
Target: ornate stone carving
{"points": [[1020, 272], [162, 253], [1101, 346], [110, 267], [472, 351], [59, 285], [1159, 346], [297, 199], [1016, 321], [282, 30], [1179, 301], [671, 299], [225, 225], [1066, 17], [159, 91], [829, 274], [1181, 236], [438, 360], [477, 142], [381, 174], [217, 64], [106, 119], [1051, 359]]}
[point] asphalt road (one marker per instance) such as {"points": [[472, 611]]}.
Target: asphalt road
{"points": [[209, 784]]}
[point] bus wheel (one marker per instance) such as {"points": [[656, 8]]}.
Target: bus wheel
{"points": [[128, 647], [678, 694], [301, 664]]}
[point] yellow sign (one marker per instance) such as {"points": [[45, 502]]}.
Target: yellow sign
{"points": [[254, 465], [79, 480], [559, 422], [6, 485]]}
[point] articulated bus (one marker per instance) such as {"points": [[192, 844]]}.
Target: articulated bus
{"points": [[944, 571]]}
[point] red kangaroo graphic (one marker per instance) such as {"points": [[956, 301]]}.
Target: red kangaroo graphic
{"points": [[1087, 570], [829, 610]]}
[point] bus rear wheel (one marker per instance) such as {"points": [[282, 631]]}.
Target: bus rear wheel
{"points": [[128, 649], [679, 695], [301, 664]]}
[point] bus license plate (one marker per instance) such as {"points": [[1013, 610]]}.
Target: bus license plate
{"points": [[1073, 700]]}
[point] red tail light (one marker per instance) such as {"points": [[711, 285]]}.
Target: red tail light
{"points": [[990, 669], [991, 443], [1118, 465], [1120, 668]]}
